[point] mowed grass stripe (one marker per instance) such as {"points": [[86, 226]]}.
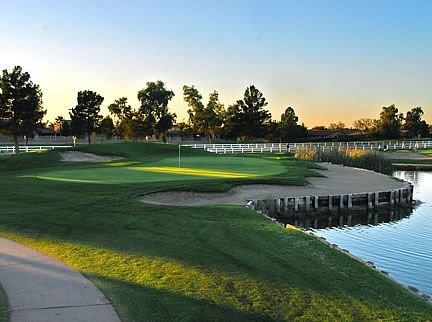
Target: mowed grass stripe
{"points": [[194, 172]]}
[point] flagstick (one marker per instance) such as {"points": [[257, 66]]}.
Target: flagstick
{"points": [[179, 157]]}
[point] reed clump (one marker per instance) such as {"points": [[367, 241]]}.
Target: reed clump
{"points": [[371, 160]]}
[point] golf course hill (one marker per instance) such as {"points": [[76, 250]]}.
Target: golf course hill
{"points": [[175, 262]]}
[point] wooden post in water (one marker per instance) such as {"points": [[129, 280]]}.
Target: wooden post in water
{"points": [[369, 201], [409, 195], [341, 201], [296, 203], [278, 205], [350, 201], [330, 202], [307, 203], [392, 198], [316, 202], [376, 199], [286, 202]]}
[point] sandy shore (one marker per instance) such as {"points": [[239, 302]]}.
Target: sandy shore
{"points": [[339, 180]]}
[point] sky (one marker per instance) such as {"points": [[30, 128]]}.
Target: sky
{"points": [[330, 60]]}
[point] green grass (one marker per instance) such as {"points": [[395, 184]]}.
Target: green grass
{"points": [[413, 163], [4, 307], [188, 263]]}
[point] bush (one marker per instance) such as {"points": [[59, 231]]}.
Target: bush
{"points": [[371, 160]]}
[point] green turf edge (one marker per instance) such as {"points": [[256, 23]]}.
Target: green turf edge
{"points": [[4, 306]]}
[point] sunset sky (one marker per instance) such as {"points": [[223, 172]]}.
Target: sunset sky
{"points": [[330, 60]]}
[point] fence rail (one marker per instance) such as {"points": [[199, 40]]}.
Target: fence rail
{"points": [[324, 146], [28, 148]]}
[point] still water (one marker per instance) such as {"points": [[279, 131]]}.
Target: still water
{"points": [[399, 242]]}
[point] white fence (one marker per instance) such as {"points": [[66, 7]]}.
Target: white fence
{"points": [[324, 146], [28, 148]]}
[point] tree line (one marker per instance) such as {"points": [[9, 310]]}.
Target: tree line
{"points": [[22, 112]]}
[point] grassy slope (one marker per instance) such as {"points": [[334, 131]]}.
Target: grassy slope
{"points": [[4, 307], [190, 263]]}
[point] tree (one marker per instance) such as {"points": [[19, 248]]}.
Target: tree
{"points": [[123, 117], [249, 114], [336, 126], [66, 129], [196, 109], [85, 116], [213, 115], [59, 121], [389, 123], [164, 124], [21, 110], [288, 127], [106, 127], [154, 99], [414, 124], [363, 124]]}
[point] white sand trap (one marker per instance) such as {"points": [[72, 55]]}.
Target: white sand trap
{"points": [[339, 180], [76, 156]]}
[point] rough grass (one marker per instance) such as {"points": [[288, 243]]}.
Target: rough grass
{"points": [[190, 263], [4, 307]]}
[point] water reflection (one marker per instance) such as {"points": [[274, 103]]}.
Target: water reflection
{"points": [[347, 219], [396, 241]]}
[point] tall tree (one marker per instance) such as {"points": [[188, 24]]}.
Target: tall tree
{"points": [[289, 128], [154, 99], [196, 109], [363, 124], [85, 116], [250, 115], [124, 117], [337, 126], [414, 124], [213, 115], [389, 123], [106, 127], [21, 110]]}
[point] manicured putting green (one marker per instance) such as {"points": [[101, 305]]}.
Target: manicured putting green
{"points": [[212, 167]]}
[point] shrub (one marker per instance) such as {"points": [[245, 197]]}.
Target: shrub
{"points": [[371, 160]]}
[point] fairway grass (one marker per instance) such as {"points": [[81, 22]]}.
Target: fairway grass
{"points": [[188, 263]]}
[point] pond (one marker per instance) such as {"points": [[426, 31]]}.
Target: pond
{"points": [[398, 242]]}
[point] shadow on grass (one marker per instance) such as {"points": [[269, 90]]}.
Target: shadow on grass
{"points": [[136, 302]]}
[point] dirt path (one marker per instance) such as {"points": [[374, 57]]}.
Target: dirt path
{"points": [[339, 180]]}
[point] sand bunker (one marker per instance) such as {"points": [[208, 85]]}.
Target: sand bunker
{"points": [[76, 156], [339, 180]]}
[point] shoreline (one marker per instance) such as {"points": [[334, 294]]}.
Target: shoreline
{"points": [[336, 180]]}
